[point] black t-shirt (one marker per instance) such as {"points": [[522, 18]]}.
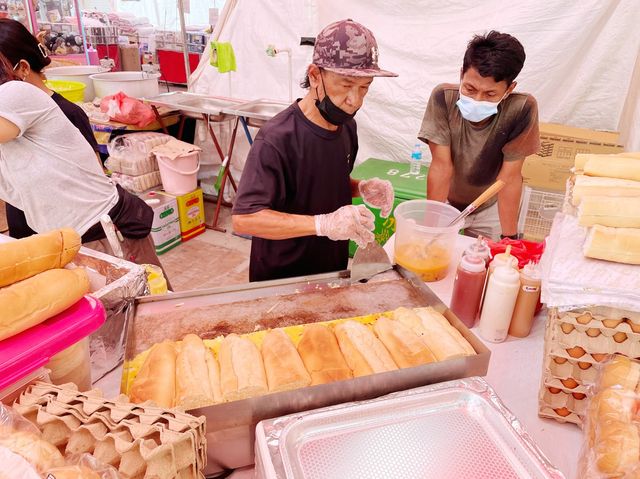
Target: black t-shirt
{"points": [[78, 117], [297, 167]]}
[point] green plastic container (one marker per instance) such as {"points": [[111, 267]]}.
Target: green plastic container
{"points": [[406, 187]]}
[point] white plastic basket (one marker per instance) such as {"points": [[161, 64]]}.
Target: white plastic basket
{"points": [[538, 209]]}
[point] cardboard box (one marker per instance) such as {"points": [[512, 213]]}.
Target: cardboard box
{"points": [[165, 230], [550, 168], [191, 211]]}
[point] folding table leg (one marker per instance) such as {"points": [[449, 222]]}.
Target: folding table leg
{"points": [[226, 174]]}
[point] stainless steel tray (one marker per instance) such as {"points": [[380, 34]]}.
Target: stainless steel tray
{"points": [[458, 429], [271, 304], [215, 107], [257, 112]]}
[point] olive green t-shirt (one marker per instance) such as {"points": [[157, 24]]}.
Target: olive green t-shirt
{"points": [[478, 151]]}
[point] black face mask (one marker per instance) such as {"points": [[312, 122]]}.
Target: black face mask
{"points": [[329, 111]]}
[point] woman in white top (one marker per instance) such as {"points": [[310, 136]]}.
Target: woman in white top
{"points": [[48, 170]]}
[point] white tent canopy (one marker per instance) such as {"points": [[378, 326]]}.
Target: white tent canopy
{"points": [[580, 58]]}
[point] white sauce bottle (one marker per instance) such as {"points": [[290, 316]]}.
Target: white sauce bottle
{"points": [[499, 302]]}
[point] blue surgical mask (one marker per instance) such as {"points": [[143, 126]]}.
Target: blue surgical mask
{"points": [[474, 110]]}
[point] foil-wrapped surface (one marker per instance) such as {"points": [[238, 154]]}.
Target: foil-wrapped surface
{"points": [[448, 430]]}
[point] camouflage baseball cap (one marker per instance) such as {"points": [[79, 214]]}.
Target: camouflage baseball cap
{"points": [[348, 48]]}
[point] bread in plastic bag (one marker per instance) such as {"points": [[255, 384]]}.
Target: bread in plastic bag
{"points": [[611, 447], [83, 466], [22, 438]]}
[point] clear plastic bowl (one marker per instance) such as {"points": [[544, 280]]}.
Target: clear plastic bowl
{"points": [[424, 243]]}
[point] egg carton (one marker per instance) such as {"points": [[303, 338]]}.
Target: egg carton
{"points": [[139, 440], [569, 386], [558, 396], [564, 368], [138, 184], [598, 313], [559, 414], [581, 340]]}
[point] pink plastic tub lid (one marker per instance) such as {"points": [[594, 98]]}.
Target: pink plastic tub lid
{"points": [[33, 348]]}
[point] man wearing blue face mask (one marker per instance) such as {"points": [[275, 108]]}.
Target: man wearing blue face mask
{"points": [[295, 194], [480, 131]]}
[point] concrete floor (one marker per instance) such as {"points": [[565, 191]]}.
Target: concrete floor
{"points": [[210, 260]]}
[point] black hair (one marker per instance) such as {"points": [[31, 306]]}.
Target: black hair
{"points": [[305, 83], [6, 70], [497, 55], [17, 43]]}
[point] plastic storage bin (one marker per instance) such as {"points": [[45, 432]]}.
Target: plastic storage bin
{"points": [[32, 349], [424, 243]]}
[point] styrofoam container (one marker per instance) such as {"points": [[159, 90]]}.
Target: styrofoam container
{"points": [[81, 73], [133, 84]]}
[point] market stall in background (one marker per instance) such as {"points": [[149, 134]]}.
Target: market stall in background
{"points": [[464, 358]]}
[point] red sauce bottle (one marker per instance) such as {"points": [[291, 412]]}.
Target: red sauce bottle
{"points": [[467, 288]]}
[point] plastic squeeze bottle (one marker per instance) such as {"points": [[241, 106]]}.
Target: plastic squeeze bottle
{"points": [[479, 248], [499, 303], [467, 288], [528, 297], [503, 259]]}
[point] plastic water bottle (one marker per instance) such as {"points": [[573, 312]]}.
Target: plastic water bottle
{"points": [[416, 160]]}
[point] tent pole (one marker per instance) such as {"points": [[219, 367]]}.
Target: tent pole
{"points": [[183, 31]]}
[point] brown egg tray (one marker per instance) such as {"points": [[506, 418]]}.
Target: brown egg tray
{"points": [[140, 441]]}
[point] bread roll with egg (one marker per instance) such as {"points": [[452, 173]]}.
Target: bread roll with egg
{"points": [[282, 363], [156, 380], [406, 348], [321, 355], [242, 372], [197, 374], [362, 350]]}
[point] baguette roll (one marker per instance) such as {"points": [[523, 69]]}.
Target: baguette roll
{"points": [[439, 341], [242, 372], [620, 371], [362, 350], [430, 313], [197, 375], [40, 454], [27, 257], [282, 363], [156, 380], [609, 405], [617, 447], [36, 299], [406, 348], [321, 355]]}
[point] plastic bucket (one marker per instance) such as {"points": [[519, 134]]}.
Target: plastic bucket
{"points": [[179, 176], [80, 73], [71, 90], [133, 84], [424, 243]]}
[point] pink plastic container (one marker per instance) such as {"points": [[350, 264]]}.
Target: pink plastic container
{"points": [[24, 353], [179, 176]]}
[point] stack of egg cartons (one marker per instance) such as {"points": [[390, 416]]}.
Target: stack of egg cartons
{"points": [[593, 305], [140, 441], [130, 162]]}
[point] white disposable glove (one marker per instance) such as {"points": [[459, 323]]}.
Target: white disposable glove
{"points": [[378, 194], [347, 223]]}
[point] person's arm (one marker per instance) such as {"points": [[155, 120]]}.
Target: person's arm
{"points": [[509, 196], [440, 172], [273, 225], [8, 130]]}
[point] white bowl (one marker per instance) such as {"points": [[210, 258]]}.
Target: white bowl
{"points": [[77, 73], [133, 84]]}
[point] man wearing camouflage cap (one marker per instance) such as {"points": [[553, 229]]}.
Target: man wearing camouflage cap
{"points": [[295, 193]]}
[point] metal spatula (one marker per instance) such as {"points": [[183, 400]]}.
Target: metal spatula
{"points": [[369, 261]]}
